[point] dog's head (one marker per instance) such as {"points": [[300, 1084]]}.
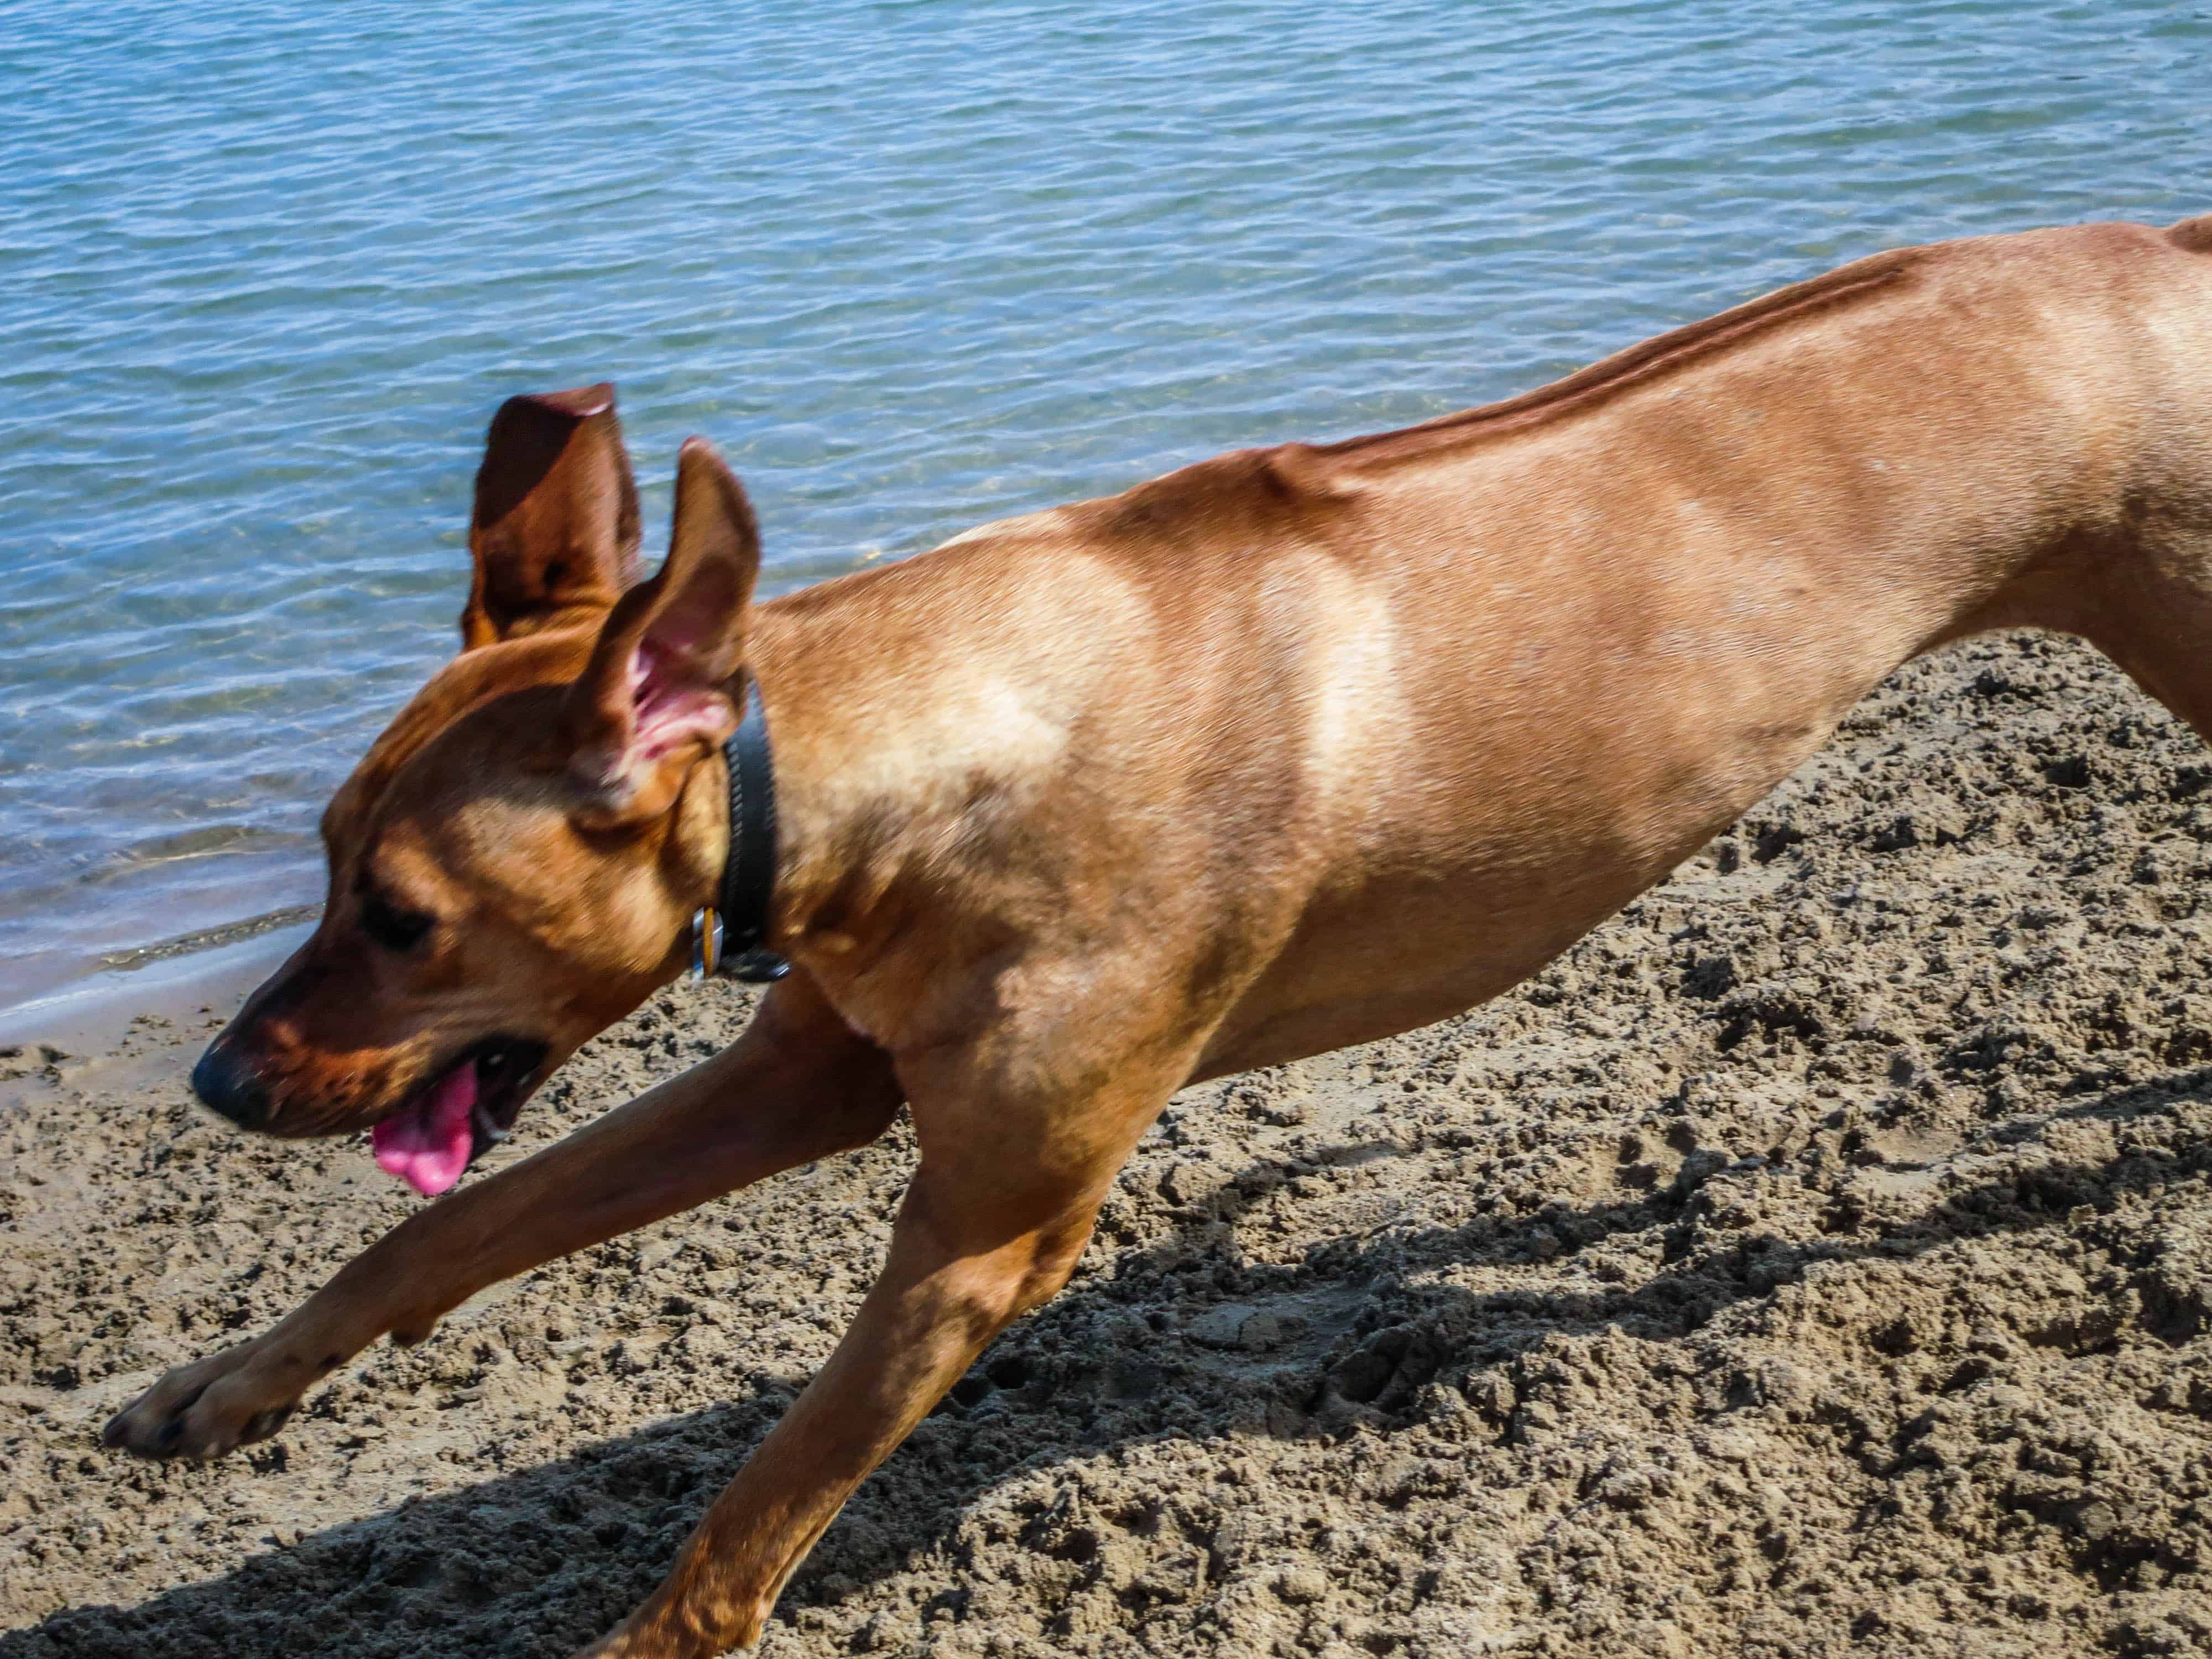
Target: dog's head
{"points": [[513, 864]]}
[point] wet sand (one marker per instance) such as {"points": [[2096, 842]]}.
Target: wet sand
{"points": [[1816, 1259]]}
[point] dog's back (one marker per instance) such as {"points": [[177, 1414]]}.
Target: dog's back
{"points": [[1435, 701]]}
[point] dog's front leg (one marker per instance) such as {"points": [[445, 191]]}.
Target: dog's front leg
{"points": [[798, 1085], [991, 1225]]}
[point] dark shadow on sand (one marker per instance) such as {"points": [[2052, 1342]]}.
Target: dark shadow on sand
{"points": [[538, 1563]]}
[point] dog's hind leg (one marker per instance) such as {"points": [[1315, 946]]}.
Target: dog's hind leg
{"points": [[2149, 609], [798, 1085], [2165, 643]]}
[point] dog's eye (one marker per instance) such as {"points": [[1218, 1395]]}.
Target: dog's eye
{"points": [[393, 928]]}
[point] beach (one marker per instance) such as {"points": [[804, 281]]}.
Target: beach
{"points": [[1817, 1258]]}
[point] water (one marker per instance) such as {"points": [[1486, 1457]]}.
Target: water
{"points": [[266, 270]]}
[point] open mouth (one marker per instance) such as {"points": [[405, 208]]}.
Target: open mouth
{"points": [[448, 1122]]}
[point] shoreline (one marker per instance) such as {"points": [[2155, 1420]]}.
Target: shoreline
{"points": [[91, 1014]]}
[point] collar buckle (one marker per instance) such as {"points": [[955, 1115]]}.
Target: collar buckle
{"points": [[706, 942], [753, 967]]}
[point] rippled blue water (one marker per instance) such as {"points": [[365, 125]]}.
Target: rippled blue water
{"points": [[265, 269]]}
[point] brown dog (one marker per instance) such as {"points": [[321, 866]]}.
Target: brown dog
{"points": [[1290, 750]]}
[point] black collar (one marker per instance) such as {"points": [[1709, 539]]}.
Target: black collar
{"points": [[726, 935]]}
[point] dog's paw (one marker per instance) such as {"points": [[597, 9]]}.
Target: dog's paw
{"points": [[625, 1644], [645, 1635], [208, 1408], [618, 1643]]}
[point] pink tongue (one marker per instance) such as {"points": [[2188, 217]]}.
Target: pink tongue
{"points": [[427, 1145]]}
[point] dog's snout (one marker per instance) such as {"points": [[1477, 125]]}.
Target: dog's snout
{"points": [[225, 1085]]}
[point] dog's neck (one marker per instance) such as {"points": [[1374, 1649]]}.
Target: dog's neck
{"points": [[877, 785]]}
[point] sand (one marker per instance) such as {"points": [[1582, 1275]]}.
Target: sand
{"points": [[1818, 1259]]}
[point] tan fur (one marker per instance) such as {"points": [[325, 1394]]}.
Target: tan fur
{"points": [[1294, 749]]}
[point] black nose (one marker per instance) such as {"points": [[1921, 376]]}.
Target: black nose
{"points": [[222, 1083]]}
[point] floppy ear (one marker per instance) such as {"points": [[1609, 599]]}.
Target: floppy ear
{"points": [[658, 694], [554, 532]]}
